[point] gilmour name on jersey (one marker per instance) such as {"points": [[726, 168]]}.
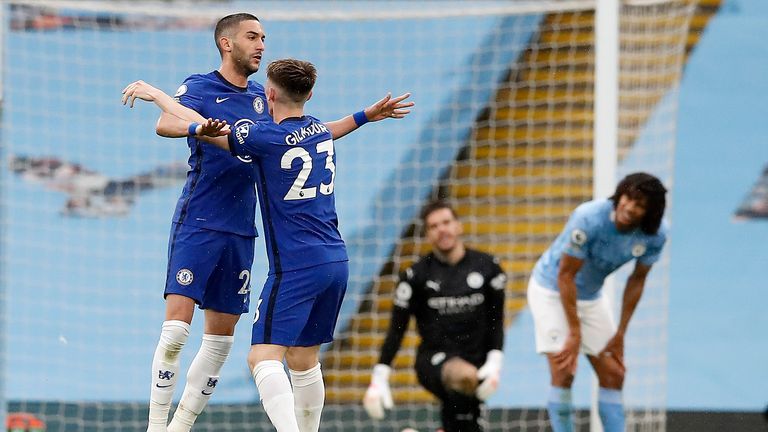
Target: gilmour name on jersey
{"points": [[294, 137]]}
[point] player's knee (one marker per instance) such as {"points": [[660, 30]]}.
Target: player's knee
{"points": [[259, 353], [220, 323], [301, 358], [617, 377], [253, 360], [173, 337], [611, 375], [179, 308], [460, 376]]}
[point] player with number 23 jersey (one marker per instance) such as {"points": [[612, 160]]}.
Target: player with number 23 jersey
{"points": [[295, 170]]}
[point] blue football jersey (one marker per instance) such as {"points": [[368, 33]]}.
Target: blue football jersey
{"points": [[219, 193], [295, 168], [591, 235]]}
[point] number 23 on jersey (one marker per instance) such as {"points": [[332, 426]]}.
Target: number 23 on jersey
{"points": [[298, 191]]}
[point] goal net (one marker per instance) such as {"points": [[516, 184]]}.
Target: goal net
{"points": [[502, 128]]}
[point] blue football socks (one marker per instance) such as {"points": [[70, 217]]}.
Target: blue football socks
{"points": [[560, 409], [611, 409]]}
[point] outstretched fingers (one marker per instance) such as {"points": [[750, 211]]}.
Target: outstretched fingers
{"points": [[383, 101], [399, 113], [401, 98], [389, 107], [138, 90], [398, 108], [129, 93], [214, 128], [395, 107]]}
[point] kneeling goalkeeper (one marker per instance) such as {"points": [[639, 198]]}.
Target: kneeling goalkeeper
{"points": [[457, 297]]}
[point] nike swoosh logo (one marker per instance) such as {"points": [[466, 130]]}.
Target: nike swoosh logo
{"points": [[220, 100], [207, 394], [165, 386]]}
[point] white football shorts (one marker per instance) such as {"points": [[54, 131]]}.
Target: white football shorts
{"points": [[551, 327]]}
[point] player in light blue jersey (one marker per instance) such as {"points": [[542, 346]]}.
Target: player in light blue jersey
{"points": [[295, 167], [564, 292], [216, 209]]}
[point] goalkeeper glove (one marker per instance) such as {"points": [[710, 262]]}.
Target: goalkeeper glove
{"points": [[489, 375], [378, 397]]}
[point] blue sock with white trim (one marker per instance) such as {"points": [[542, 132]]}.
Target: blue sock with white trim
{"points": [[611, 409], [560, 408]]}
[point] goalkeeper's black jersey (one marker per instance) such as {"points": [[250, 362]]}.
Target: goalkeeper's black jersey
{"points": [[458, 308]]}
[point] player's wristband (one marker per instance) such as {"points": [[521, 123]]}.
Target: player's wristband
{"points": [[192, 129], [360, 118]]}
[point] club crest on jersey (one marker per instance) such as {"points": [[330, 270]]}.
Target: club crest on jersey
{"points": [[184, 277], [475, 280], [241, 129], [258, 104], [181, 90], [403, 294], [578, 237], [638, 250]]}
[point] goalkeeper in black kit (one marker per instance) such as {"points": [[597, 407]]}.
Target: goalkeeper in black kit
{"points": [[457, 297]]}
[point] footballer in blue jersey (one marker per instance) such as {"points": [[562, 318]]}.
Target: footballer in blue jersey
{"points": [[300, 302], [219, 189], [296, 166], [294, 162], [217, 206], [564, 292], [211, 245]]}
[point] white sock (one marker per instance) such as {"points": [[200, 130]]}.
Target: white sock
{"points": [[309, 397], [202, 377], [165, 368], [276, 395]]}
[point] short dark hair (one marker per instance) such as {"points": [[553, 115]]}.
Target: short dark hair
{"points": [[642, 185], [295, 77], [227, 23], [434, 206]]}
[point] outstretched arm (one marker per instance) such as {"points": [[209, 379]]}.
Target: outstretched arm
{"points": [[170, 126], [386, 107], [176, 117], [144, 91]]}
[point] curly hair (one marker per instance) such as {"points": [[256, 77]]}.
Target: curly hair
{"points": [[646, 187]]}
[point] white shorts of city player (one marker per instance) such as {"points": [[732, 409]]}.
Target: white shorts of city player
{"points": [[595, 316]]}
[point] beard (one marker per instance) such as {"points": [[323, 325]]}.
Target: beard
{"points": [[446, 246], [243, 62]]}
